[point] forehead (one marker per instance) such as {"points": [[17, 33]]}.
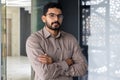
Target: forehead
{"points": [[54, 10]]}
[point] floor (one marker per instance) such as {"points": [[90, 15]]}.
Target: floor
{"points": [[18, 68]]}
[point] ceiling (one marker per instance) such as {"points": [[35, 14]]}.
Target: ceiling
{"points": [[26, 4], [17, 3]]}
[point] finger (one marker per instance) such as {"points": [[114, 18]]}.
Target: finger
{"points": [[45, 59], [42, 60]]}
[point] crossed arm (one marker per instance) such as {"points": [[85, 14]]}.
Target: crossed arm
{"points": [[45, 59], [41, 62]]}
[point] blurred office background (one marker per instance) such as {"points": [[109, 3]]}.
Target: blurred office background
{"points": [[95, 24]]}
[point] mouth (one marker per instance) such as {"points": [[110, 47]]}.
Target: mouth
{"points": [[56, 23]]}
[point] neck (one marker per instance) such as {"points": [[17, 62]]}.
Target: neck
{"points": [[52, 32]]}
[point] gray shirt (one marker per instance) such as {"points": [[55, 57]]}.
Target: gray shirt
{"points": [[61, 47]]}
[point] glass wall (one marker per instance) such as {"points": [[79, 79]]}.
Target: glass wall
{"points": [[100, 21], [3, 39], [0, 38], [14, 62], [103, 41]]}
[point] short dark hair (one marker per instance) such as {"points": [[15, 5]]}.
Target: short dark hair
{"points": [[51, 5]]}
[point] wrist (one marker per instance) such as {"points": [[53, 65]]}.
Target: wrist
{"points": [[69, 61]]}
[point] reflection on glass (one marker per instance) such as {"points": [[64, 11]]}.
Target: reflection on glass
{"points": [[15, 30], [3, 41]]}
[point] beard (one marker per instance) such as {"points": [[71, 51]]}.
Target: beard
{"points": [[54, 25]]}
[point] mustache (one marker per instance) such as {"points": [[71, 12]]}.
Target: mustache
{"points": [[56, 22]]}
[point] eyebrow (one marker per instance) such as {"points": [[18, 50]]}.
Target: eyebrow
{"points": [[56, 14], [53, 13]]}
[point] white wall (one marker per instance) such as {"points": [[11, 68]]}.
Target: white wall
{"points": [[13, 13]]}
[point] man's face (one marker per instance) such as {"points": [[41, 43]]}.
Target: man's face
{"points": [[53, 18]]}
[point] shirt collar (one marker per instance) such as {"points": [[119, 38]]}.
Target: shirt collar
{"points": [[47, 34]]}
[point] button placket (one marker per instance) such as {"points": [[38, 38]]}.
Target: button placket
{"points": [[58, 50]]}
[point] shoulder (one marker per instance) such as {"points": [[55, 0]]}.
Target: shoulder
{"points": [[35, 36], [70, 39], [68, 35]]}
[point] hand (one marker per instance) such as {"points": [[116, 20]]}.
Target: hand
{"points": [[69, 61], [45, 59]]}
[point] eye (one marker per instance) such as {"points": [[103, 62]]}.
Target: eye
{"points": [[52, 15]]}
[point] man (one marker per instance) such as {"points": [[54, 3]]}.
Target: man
{"points": [[53, 53]]}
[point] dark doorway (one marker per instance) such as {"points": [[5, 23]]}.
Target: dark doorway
{"points": [[25, 29]]}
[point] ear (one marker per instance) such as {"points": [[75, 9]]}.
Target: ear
{"points": [[43, 18]]}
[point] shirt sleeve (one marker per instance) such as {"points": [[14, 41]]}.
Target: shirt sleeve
{"points": [[43, 71], [79, 68]]}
